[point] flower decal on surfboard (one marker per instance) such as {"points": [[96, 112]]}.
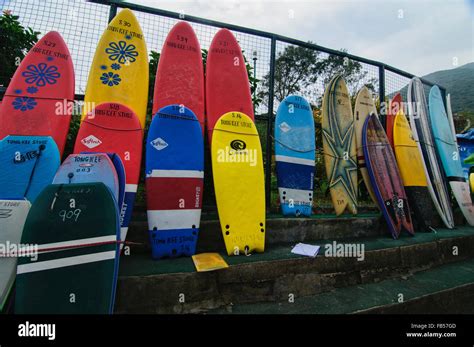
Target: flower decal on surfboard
{"points": [[24, 104], [111, 79], [122, 52], [41, 74]]}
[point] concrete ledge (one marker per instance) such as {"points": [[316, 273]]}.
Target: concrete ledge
{"points": [[281, 274], [279, 230]]}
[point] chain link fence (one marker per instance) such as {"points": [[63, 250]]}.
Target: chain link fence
{"points": [[81, 24]]}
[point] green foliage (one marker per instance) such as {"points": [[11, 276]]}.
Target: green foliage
{"points": [[298, 70], [15, 42]]}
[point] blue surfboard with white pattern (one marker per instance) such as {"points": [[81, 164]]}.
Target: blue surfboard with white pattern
{"points": [[295, 155], [89, 168], [28, 165]]}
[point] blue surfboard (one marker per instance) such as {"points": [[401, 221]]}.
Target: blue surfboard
{"points": [[121, 175], [88, 168], [28, 165], [295, 155], [174, 181], [448, 153]]}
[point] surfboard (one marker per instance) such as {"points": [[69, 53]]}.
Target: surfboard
{"points": [[394, 106], [295, 147], [12, 219], [114, 128], [44, 78], [29, 164], [448, 152], [364, 106], [421, 130], [239, 183], [227, 83], [174, 181], [385, 178], [180, 75], [339, 145], [412, 173], [466, 150], [119, 71], [88, 168], [75, 271]]}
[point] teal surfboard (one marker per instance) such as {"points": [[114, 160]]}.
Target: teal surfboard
{"points": [[447, 149], [74, 267]]}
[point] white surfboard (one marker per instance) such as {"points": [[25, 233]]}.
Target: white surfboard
{"points": [[13, 215]]}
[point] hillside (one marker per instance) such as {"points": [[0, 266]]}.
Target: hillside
{"points": [[459, 82]]}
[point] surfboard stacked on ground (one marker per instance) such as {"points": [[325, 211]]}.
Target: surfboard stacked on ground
{"points": [[364, 107], [227, 83], [385, 178], [295, 147], [174, 181], [180, 76], [339, 144], [114, 128], [74, 267], [119, 71], [420, 126], [412, 173], [29, 164], [239, 183], [89, 168], [447, 150], [44, 78], [12, 219]]}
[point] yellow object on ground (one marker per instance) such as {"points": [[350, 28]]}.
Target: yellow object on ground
{"points": [[209, 262]]}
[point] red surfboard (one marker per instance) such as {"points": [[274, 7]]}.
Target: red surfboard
{"points": [[227, 83], [114, 128], [180, 75], [395, 105], [38, 100]]}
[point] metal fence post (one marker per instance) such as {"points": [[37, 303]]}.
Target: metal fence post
{"points": [[271, 95], [112, 12], [383, 115]]}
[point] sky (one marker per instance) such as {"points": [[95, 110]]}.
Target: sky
{"points": [[418, 36]]}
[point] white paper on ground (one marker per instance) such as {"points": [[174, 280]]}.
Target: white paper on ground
{"points": [[305, 249]]}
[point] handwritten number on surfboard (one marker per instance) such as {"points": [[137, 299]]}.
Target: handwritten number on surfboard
{"points": [[182, 38], [49, 43]]}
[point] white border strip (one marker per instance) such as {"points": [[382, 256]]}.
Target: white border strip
{"points": [[64, 262], [76, 243], [176, 173], [294, 160], [131, 188], [173, 219]]}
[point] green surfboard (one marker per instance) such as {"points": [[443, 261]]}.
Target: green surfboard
{"points": [[76, 229]]}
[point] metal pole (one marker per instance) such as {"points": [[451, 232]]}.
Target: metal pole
{"points": [[112, 12], [254, 77], [383, 117], [271, 95]]}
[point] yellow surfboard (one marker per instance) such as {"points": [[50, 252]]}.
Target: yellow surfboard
{"points": [[119, 71], [237, 167], [364, 106], [339, 145], [406, 151]]}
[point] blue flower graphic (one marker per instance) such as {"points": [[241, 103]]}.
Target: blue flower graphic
{"points": [[17, 91], [110, 79], [115, 66], [24, 103], [121, 52], [103, 67], [31, 90], [41, 74]]}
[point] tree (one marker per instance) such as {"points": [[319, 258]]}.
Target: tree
{"points": [[15, 42], [303, 71]]}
